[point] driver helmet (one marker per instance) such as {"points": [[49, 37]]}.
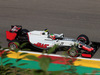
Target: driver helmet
{"points": [[46, 30]]}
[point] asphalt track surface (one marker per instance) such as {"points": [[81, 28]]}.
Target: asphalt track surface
{"points": [[71, 17]]}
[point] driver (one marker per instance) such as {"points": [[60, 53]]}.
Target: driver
{"points": [[46, 30], [52, 36]]}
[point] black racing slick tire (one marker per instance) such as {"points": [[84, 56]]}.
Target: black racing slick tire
{"points": [[83, 38], [13, 45], [24, 32], [73, 53], [22, 35]]}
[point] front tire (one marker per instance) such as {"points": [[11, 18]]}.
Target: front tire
{"points": [[13, 44], [83, 38], [73, 53]]}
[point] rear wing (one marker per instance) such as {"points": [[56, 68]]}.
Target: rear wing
{"points": [[12, 33], [10, 36], [15, 28], [19, 26]]}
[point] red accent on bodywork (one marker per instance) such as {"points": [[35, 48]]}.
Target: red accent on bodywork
{"points": [[10, 36], [88, 49], [86, 55], [53, 37], [45, 46], [41, 45], [28, 38], [15, 29]]}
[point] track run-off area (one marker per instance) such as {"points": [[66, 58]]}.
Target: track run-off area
{"points": [[71, 17], [59, 62]]}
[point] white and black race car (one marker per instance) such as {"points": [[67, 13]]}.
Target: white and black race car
{"points": [[45, 40]]}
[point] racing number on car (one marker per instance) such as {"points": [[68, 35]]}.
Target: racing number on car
{"points": [[41, 45]]}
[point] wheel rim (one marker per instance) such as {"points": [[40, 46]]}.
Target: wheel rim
{"points": [[73, 53], [82, 40], [12, 46]]}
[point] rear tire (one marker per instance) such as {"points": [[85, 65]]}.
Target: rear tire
{"points": [[83, 38], [13, 45], [22, 35], [24, 32]]}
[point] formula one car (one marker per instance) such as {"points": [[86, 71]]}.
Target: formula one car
{"points": [[45, 40]]}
